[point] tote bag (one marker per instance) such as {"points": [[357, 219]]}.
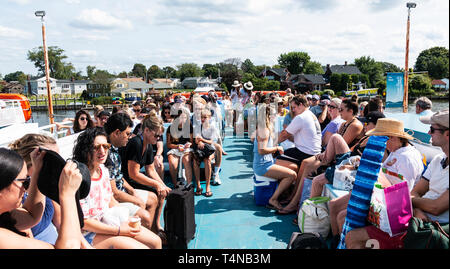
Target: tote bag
{"points": [[390, 208]]}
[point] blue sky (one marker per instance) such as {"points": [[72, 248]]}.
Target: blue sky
{"points": [[115, 34]]}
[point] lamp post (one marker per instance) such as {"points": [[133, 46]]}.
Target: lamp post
{"points": [[47, 77], [405, 90]]}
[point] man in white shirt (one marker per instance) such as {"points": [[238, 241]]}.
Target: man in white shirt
{"points": [[306, 133]]}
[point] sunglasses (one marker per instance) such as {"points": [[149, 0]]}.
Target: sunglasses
{"points": [[432, 130], [106, 146], [136, 110], [25, 181], [83, 118], [332, 107], [341, 109]]}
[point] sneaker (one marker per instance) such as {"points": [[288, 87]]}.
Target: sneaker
{"points": [[216, 180]]}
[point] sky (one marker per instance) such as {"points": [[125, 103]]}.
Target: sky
{"points": [[115, 34]]}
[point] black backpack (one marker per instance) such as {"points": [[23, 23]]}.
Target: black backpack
{"points": [[306, 241]]}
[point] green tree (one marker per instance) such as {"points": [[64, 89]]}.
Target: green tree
{"points": [[419, 82], [294, 61], [230, 71], [210, 70], [139, 70], [248, 67], [335, 82], [390, 67], [169, 72], [313, 68], [155, 72], [122, 74], [57, 67], [16, 76], [188, 70], [435, 61], [372, 68], [90, 70]]}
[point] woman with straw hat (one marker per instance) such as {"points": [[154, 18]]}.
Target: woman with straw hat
{"points": [[404, 161]]}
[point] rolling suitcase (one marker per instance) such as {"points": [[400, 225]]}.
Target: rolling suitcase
{"points": [[179, 213]]}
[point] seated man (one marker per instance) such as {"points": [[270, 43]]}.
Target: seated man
{"points": [[429, 196]]}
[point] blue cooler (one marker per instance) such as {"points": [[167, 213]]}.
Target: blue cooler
{"points": [[263, 189]]}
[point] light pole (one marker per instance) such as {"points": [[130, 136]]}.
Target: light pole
{"points": [[405, 90], [47, 77]]}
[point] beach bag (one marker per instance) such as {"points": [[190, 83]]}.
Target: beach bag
{"points": [[306, 241], [313, 216], [201, 154], [426, 235], [114, 216], [390, 208], [344, 179]]}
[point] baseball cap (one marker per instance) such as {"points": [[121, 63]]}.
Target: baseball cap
{"points": [[372, 117], [325, 97], [324, 102], [316, 97], [440, 117]]}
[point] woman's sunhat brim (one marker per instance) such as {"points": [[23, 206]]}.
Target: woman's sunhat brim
{"points": [[381, 133]]}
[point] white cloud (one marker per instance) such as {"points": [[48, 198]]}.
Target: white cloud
{"points": [[99, 20], [8, 32], [84, 53]]}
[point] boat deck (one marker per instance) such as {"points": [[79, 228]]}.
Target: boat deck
{"points": [[230, 219]]}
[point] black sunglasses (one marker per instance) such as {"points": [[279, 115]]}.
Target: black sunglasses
{"points": [[25, 181], [432, 130]]}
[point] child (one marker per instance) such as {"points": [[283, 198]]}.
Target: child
{"points": [[207, 135]]}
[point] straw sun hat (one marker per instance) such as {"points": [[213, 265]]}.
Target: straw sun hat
{"points": [[389, 127]]}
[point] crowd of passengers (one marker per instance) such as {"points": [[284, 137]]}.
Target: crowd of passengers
{"points": [[320, 132], [124, 151]]}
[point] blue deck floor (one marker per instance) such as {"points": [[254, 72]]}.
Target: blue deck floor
{"points": [[230, 219]]}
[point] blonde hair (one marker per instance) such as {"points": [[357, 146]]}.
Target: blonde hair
{"points": [[25, 145], [152, 122]]}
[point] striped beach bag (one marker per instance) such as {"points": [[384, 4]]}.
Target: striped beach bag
{"points": [[367, 175]]}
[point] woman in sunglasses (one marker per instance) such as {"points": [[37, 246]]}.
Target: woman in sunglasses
{"points": [[82, 122], [336, 121], [106, 223], [15, 219]]}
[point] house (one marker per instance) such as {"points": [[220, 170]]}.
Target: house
{"points": [[340, 69], [306, 82], [277, 74], [445, 80], [71, 86], [99, 88], [167, 81], [439, 85], [161, 86], [190, 82], [12, 87], [39, 86]]}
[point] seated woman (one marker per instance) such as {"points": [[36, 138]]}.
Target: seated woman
{"points": [[165, 113], [336, 151], [16, 218], [207, 136], [81, 122], [92, 149], [404, 163], [335, 121], [263, 163], [179, 141], [47, 229]]}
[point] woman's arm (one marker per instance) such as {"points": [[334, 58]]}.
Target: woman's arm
{"points": [[33, 208], [353, 131], [263, 138]]}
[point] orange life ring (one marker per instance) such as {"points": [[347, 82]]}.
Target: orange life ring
{"points": [[24, 102]]}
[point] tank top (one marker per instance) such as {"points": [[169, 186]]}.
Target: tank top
{"points": [[262, 160]]}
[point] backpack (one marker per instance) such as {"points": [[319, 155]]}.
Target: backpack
{"points": [[426, 235], [306, 241]]}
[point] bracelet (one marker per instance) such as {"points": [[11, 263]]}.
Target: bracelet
{"points": [[118, 233]]}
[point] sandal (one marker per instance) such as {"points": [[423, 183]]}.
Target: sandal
{"points": [[198, 192], [208, 194], [270, 206]]}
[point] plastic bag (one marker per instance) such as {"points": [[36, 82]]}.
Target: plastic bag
{"points": [[345, 173]]}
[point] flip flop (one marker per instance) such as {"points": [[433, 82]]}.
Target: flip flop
{"points": [[198, 192], [208, 194], [284, 212], [270, 206]]}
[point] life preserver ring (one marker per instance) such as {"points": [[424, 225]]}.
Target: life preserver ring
{"points": [[24, 103]]}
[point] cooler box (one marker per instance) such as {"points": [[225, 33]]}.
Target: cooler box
{"points": [[263, 189]]}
